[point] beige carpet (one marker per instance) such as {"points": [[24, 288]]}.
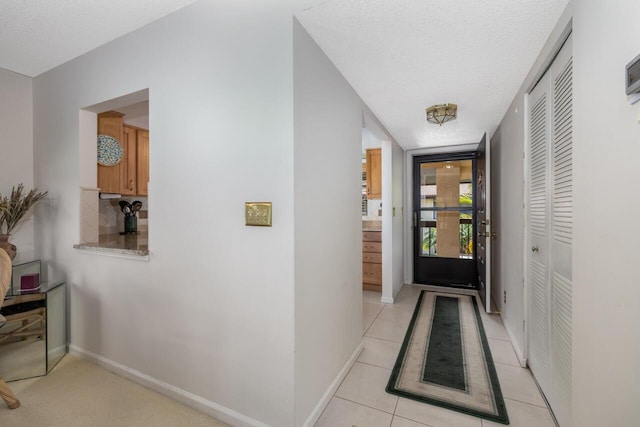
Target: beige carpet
{"points": [[79, 393]]}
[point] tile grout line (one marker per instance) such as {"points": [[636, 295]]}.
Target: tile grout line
{"points": [[374, 319], [366, 406], [526, 403], [534, 382], [334, 394], [381, 339], [395, 408], [375, 366], [411, 419]]}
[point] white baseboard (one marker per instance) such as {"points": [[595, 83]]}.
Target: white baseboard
{"points": [[213, 409], [57, 352], [386, 300], [519, 353], [326, 397]]}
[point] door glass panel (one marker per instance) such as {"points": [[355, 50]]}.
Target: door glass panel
{"points": [[446, 209]]}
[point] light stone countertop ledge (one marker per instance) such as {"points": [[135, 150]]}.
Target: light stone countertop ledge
{"points": [[130, 245]]}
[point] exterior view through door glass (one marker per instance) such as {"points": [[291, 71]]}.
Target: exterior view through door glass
{"points": [[444, 208]]}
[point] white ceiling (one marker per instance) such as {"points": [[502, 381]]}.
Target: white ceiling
{"points": [[38, 35], [399, 55], [403, 55]]}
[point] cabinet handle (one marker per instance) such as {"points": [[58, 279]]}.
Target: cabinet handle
{"points": [[130, 184]]}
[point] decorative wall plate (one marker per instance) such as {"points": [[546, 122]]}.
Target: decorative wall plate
{"points": [[109, 151]]}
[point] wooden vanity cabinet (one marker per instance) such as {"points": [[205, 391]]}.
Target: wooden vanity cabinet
{"points": [[372, 260]]}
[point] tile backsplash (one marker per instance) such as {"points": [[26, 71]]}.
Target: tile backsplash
{"points": [[112, 218], [89, 208]]}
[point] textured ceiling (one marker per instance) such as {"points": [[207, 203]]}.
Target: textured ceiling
{"points": [[399, 55], [403, 55], [37, 35]]}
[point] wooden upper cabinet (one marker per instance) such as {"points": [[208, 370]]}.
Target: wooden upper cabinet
{"points": [[374, 173], [110, 123], [128, 165], [143, 162], [129, 177]]}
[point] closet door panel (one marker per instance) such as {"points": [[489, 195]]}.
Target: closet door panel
{"points": [[550, 234]]}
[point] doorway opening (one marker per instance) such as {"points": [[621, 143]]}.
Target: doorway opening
{"points": [[444, 219], [114, 174]]}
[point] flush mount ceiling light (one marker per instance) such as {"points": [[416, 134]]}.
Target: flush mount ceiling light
{"points": [[442, 113]]}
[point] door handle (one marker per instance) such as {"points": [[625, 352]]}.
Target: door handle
{"points": [[534, 249]]}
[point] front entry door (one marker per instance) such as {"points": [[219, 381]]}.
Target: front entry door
{"points": [[444, 222], [483, 215]]}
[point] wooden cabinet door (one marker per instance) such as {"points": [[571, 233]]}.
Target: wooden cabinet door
{"points": [[143, 163], [110, 123], [128, 164], [374, 173]]}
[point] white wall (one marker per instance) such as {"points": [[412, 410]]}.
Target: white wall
{"points": [[397, 164], [508, 196], [371, 136], [507, 215], [392, 233], [606, 299], [136, 114], [328, 236], [212, 313], [16, 148]]}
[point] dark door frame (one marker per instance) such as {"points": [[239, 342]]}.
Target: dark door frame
{"points": [[449, 272]]}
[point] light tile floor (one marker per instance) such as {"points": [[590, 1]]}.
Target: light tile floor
{"points": [[361, 400]]}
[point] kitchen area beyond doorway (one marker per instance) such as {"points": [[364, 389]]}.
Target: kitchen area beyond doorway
{"points": [[372, 219], [115, 210]]}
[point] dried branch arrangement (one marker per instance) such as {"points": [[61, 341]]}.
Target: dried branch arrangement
{"points": [[15, 207]]}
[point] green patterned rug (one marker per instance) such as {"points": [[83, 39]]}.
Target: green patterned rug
{"points": [[445, 359]]}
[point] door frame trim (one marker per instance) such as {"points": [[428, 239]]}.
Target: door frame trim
{"points": [[408, 197], [441, 157]]}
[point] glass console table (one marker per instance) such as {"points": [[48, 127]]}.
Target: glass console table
{"points": [[34, 337]]}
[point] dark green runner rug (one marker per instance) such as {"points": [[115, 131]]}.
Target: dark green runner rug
{"points": [[445, 359]]}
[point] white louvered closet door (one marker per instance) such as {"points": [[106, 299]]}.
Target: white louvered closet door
{"points": [[550, 218]]}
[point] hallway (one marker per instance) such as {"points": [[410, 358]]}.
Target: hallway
{"points": [[361, 399]]}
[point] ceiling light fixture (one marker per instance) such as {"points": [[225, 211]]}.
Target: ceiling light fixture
{"points": [[442, 113]]}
